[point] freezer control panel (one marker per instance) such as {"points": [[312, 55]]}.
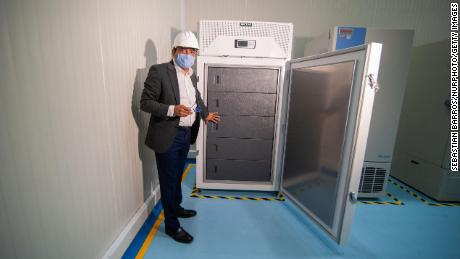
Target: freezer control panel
{"points": [[245, 44]]}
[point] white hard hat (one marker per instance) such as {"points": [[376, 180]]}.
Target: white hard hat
{"points": [[186, 39]]}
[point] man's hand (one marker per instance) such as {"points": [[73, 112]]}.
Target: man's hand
{"points": [[213, 116], [182, 110]]}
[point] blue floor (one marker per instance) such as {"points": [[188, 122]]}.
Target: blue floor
{"points": [[276, 229]]}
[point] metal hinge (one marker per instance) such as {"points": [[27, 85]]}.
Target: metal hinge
{"points": [[373, 82]]}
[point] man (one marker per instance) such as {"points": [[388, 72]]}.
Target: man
{"points": [[171, 96]]}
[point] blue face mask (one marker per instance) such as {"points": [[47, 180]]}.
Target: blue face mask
{"points": [[185, 60]]}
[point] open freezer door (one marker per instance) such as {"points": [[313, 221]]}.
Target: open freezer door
{"points": [[328, 115]]}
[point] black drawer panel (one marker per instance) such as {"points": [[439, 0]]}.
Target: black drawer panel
{"points": [[256, 104], [242, 127], [233, 79], [238, 170], [247, 149]]}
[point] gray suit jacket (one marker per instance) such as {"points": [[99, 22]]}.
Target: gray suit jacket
{"points": [[161, 90]]}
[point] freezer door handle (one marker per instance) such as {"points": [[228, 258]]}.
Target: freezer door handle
{"points": [[373, 82]]}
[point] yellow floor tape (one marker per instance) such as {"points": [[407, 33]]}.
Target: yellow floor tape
{"points": [[420, 198], [279, 197], [395, 202], [196, 194], [145, 246], [151, 235]]}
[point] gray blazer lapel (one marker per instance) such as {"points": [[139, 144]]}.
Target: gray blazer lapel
{"points": [[194, 83], [194, 80], [173, 78], [199, 101]]}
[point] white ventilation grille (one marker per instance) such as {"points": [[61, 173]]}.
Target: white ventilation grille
{"points": [[280, 32], [372, 180]]}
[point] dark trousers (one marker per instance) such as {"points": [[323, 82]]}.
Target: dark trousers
{"points": [[170, 169]]}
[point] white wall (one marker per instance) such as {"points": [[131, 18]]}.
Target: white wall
{"points": [[429, 18], [72, 170]]}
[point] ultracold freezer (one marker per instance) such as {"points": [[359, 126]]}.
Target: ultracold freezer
{"points": [[422, 152], [299, 126]]}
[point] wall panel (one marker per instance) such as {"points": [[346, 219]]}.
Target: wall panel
{"points": [[74, 168]]}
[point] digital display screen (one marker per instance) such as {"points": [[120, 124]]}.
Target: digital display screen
{"points": [[242, 43], [245, 44]]}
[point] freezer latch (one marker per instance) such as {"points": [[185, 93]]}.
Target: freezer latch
{"points": [[373, 82]]}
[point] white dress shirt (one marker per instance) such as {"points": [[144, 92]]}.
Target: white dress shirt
{"points": [[187, 95]]}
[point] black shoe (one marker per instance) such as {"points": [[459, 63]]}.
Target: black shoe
{"points": [[186, 213], [180, 235]]}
